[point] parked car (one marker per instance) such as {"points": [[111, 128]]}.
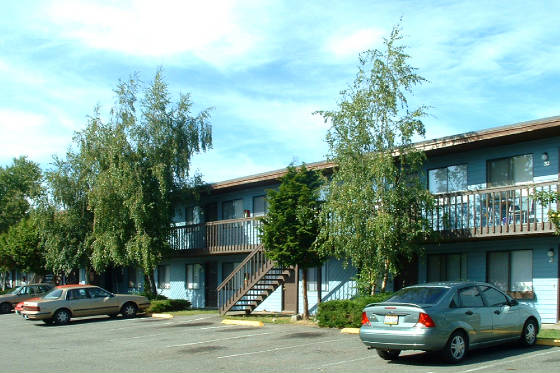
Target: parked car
{"points": [[19, 307], [451, 317], [67, 301], [22, 293]]}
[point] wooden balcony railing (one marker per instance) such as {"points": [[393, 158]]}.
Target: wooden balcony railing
{"points": [[218, 237], [490, 212]]}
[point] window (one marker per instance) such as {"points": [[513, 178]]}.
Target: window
{"points": [[211, 212], [227, 268], [511, 271], [447, 267], [510, 171], [260, 207], [493, 297], [192, 215], [312, 278], [192, 272], [419, 295], [470, 297], [98, 293], [75, 294], [447, 179], [163, 276], [131, 275], [232, 209]]}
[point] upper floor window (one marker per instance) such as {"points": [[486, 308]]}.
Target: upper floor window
{"points": [[447, 179], [232, 209], [260, 207], [510, 171]]}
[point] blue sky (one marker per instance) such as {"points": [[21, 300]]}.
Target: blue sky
{"points": [[266, 66]]}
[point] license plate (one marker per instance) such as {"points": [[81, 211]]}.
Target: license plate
{"points": [[391, 319]]}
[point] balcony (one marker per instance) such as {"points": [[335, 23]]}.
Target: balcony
{"points": [[493, 212], [218, 237]]}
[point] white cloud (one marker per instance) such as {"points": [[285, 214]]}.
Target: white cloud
{"points": [[350, 45]]}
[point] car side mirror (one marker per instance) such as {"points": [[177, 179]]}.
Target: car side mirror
{"points": [[513, 302]]}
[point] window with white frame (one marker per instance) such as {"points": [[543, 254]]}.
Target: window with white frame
{"points": [[260, 206], [163, 276], [447, 179], [511, 271], [447, 267], [192, 274], [510, 171], [312, 275]]}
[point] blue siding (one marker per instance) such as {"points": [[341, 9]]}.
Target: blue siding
{"points": [[545, 274]]}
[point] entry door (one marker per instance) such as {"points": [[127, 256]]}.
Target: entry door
{"points": [[211, 284], [290, 293]]}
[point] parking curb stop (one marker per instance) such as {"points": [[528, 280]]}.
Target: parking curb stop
{"points": [[162, 315], [548, 342], [256, 324], [350, 331]]}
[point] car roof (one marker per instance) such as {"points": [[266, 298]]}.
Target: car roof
{"points": [[75, 286], [450, 284]]}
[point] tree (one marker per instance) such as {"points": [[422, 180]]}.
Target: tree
{"points": [[551, 200], [371, 217], [20, 185], [121, 177], [291, 225]]}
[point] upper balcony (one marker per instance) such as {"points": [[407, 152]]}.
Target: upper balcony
{"points": [[478, 214]]}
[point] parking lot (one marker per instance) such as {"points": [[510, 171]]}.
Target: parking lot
{"points": [[200, 343]]}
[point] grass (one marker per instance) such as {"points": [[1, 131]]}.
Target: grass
{"points": [[193, 312], [267, 319], [549, 333]]}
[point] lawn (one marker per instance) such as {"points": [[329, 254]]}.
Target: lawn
{"points": [[193, 312], [549, 333]]}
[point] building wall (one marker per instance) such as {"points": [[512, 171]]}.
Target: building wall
{"points": [[545, 274], [476, 160]]}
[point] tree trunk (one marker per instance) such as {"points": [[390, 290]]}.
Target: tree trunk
{"points": [[305, 303], [319, 285], [150, 280], [385, 277]]}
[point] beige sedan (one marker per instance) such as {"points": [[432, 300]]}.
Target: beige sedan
{"points": [[67, 301], [22, 293]]}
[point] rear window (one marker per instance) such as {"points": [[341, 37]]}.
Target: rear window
{"points": [[54, 294], [419, 295]]}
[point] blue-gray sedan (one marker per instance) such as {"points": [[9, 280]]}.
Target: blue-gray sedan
{"points": [[451, 317]]}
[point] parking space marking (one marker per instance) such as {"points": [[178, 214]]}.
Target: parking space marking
{"points": [[217, 327], [217, 340], [275, 349], [510, 361]]}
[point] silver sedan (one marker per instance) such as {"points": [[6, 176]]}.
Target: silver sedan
{"points": [[451, 317]]}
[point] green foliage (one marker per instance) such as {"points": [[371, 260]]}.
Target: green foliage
{"points": [[346, 313], [372, 215], [549, 199], [20, 247], [168, 305], [291, 225]]}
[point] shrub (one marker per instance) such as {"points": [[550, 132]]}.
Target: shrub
{"points": [[346, 313], [168, 305]]}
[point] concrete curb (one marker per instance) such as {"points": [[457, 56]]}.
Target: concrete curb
{"points": [[350, 331], [162, 316], [548, 342], [256, 324]]}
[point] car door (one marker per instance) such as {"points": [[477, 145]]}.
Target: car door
{"points": [[103, 302], [79, 302], [475, 314], [505, 318]]}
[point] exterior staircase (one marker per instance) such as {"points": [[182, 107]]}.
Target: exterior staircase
{"points": [[250, 283]]}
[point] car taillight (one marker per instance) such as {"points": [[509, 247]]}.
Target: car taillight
{"points": [[426, 320], [32, 308], [365, 320]]}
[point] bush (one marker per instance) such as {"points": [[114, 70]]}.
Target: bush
{"points": [[168, 305], [346, 313]]}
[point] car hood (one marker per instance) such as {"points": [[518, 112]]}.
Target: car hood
{"points": [[7, 297]]}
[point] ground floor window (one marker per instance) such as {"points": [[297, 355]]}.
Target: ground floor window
{"points": [[163, 276], [447, 267], [312, 276], [511, 271], [192, 272], [131, 274]]}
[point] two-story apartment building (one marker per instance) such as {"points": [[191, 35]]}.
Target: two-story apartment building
{"points": [[488, 226]]}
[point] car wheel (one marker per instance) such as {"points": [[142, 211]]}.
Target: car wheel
{"points": [[456, 347], [129, 310], [388, 354], [529, 333], [62, 317], [5, 307]]}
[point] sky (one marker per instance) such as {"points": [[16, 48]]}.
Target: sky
{"points": [[266, 66]]}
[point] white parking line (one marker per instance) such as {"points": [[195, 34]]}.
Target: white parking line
{"points": [[510, 361], [217, 340], [275, 349]]}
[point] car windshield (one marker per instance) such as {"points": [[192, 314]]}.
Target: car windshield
{"points": [[418, 295], [16, 290], [53, 294]]}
